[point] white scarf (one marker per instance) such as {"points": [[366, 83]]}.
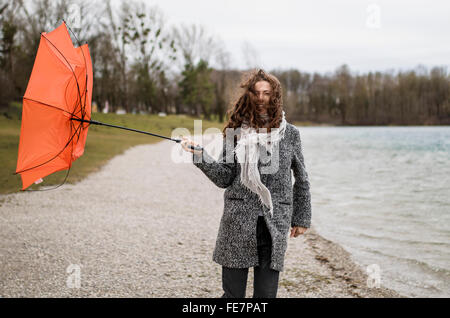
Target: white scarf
{"points": [[247, 153]]}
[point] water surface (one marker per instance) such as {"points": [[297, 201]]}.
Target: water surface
{"points": [[383, 193]]}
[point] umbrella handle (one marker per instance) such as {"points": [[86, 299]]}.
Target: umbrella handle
{"points": [[195, 147]]}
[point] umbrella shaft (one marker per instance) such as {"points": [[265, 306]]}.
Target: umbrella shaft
{"points": [[93, 122]]}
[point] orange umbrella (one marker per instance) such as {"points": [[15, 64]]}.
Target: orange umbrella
{"points": [[56, 109], [59, 89]]}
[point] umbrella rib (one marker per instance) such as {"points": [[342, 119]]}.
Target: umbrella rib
{"points": [[52, 106], [68, 170], [78, 103], [83, 108], [66, 98], [73, 72], [77, 133], [24, 170], [64, 181]]}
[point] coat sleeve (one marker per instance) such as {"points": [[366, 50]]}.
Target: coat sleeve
{"points": [[301, 215], [222, 172]]}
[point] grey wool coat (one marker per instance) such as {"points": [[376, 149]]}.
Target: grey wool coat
{"points": [[236, 244]]}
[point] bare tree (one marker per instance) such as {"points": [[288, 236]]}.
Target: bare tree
{"points": [[193, 44]]}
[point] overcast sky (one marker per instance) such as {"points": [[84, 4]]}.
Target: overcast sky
{"points": [[321, 35]]}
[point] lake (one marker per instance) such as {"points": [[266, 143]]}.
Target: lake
{"points": [[383, 193]]}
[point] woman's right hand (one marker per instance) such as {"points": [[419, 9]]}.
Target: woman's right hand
{"points": [[186, 141]]}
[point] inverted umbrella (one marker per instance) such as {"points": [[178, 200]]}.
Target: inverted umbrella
{"points": [[56, 109]]}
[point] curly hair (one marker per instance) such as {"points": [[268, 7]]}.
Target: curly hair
{"points": [[244, 109]]}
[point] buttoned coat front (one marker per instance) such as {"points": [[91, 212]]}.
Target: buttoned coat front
{"points": [[236, 244]]}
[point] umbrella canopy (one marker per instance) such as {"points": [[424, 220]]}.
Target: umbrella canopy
{"points": [[59, 90], [56, 110]]}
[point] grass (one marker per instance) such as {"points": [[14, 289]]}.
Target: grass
{"points": [[103, 143]]}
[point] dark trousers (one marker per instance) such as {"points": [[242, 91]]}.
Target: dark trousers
{"points": [[265, 284]]}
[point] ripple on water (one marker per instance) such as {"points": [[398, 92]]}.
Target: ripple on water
{"points": [[383, 193]]}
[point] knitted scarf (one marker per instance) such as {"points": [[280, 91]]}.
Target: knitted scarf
{"points": [[248, 153]]}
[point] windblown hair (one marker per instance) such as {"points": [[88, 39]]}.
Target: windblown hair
{"points": [[245, 109]]}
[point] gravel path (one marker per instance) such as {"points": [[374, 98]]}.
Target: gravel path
{"points": [[145, 225]]}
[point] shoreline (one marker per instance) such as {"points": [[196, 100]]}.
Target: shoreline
{"points": [[135, 230], [339, 272], [313, 124]]}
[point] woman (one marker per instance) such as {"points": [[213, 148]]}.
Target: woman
{"points": [[260, 204]]}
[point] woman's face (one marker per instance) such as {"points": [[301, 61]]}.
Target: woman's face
{"points": [[262, 92]]}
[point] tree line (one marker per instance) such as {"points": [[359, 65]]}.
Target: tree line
{"points": [[142, 65]]}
